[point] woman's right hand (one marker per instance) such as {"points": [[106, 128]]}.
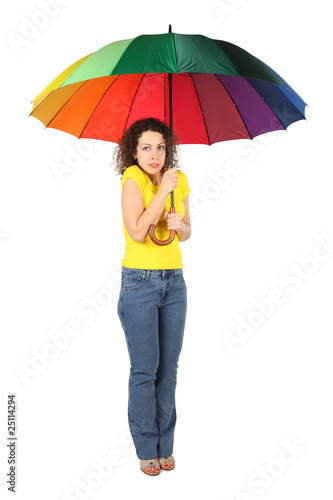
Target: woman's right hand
{"points": [[169, 180]]}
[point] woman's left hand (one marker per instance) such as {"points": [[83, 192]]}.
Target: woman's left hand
{"points": [[174, 221]]}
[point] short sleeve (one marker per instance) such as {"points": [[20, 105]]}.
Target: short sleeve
{"points": [[134, 172], [183, 184]]}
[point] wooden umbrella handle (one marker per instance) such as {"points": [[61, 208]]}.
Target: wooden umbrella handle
{"points": [[162, 242]]}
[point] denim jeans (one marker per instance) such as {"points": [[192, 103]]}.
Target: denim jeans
{"points": [[152, 310]]}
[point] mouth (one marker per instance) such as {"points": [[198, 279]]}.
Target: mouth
{"points": [[154, 165]]}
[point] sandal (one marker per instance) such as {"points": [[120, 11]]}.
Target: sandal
{"points": [[165, 461], [149, 465]]}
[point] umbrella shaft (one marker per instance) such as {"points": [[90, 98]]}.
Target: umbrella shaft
{"points": [[170, 126]]}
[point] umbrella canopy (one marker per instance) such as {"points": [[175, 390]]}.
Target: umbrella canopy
{"points": [[220, 92]]}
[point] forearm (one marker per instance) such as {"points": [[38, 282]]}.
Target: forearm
{"points": [[151, 215], [185, 232]]}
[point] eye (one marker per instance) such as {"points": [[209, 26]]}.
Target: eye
{"points": [[160, 147], [145, 147]]}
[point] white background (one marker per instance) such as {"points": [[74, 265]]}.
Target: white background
{"points": [[61, 246]]}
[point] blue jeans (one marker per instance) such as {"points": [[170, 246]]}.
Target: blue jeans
{"points": [[152, 310]]}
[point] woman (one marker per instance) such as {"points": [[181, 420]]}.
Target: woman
{"points": [[153, 298]]}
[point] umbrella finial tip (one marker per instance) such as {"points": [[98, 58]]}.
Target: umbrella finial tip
{"points": [[170, 29]]}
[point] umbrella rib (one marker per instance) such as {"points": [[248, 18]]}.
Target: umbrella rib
{"points": [[235, 105], [99, 100], [291, 103], [47, 95], [48, 123], [129, 111], [202, 113], [200, 57], [280, 91], [266, 102], [174, 49]]}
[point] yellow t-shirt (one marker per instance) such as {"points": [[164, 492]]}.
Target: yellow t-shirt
{"points": [[148, 255]]}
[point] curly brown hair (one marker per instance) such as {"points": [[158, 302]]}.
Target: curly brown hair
{"points": [[123, 154]]}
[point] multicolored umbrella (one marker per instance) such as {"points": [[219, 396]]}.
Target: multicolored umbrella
{"points": [[206, 90]]}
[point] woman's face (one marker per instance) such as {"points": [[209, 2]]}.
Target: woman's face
{"points": [[151, 153]]}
